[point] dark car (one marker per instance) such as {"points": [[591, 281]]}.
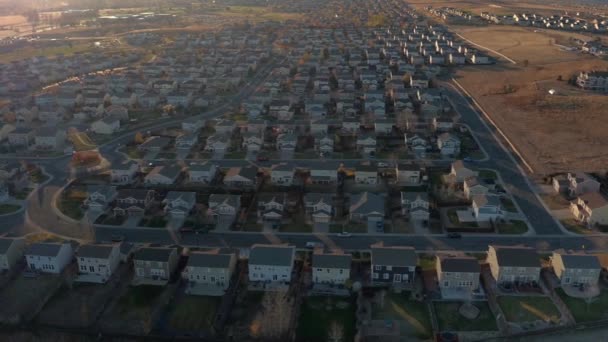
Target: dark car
{"points": [[454, 235], [262, 158]]}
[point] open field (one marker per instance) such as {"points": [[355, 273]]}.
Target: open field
{"points": [[497, 7], [528, 309], [561, 132], [255, 13], [51, 51]]}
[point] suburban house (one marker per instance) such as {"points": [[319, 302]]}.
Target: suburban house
{"points": [[223, 208], [459, 172], [163, 175], [590, 208], [49, 257], [204, 172], [366, 174], [154, 265], [225, 127], [133, 202], [107, 125], [217, 143], [282, 174], [576, 269], [122, 174], [408, 173], [330, 268], [514, 264], [367, 207], [581, 183], [209, 271], [271, 207], [457, 275], [97, 263], [49, 138], [241, 177], [21, 136], [366, 143], [287, 142], [179, 204], [186, 140], [253, 141], [271, 263], [193, 124], [324, 174], [393, 266], [474, 186], [486, 207], [448, 144], [11, 252], [99, 197], [319, 207], [415, 204]]}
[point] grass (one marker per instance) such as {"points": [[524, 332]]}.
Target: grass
{"points": [[449, 319], [133, 152], [349, 227], [488, 174], [235, 155], [296, 227], [71, 208], [526, 309], [513, 227], [38, 176], [194, 313], [111, 220], [317, 316], [575, 227], [51, 51], [139, 297], [427, 262], [400, 307], [8, 208], [597, 308], [154, 222], [508, 204], [23, 194]]}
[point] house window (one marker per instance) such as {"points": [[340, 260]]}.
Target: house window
{"points": [[389, 268], [385, 276], [397, 278], [375, 276], [378, 268]]}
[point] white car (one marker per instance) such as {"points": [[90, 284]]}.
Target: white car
{"points": [[382, 164], [345, 234], [311, 244]]}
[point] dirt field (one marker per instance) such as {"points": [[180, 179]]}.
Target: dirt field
{"points": [[497, 7], [561, 132]]}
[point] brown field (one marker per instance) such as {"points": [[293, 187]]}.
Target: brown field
{"points": [[497, 7], [561, 132]]}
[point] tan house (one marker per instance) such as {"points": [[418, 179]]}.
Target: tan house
{"points": [[590, 208], [154, 266], [514, 264], [209, 273], [576, 269], [330, 268], [11, 251], [457, 275], [459, 172]]}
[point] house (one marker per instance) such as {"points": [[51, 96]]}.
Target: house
{"points": [[367, 207], [179, 204], [324, 174], [513, 264], [576, 269], [99, 197], [271, 207], [107, 125], [97, 263], [224, 208], [11, 252], [186, 140], [457, 275], [594, 80], [459, 172], [133, 202], [590, 208], [122, 174], [208, 271], [21, 136], [217, 143], [287, 142], [393, 266], [448, 144], [204, 172], [163, 175], [225, 127], [415, 204], [282, 174], [442, 124], [581, 183], [474, 186], [154, 265], [49, 138], [271, 263], [319, 207], [14, 175], [366, 143], [49, 257], [408, 173], [241, 177], [366, 174], [324, 143], [193, 124], [486, 207], [331, 268], [253, 141]]}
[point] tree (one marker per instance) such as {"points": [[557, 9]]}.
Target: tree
{"points": [[336, 332], [139, 138]]}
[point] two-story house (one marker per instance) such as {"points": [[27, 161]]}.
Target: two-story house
{"points": [[459, 172], [49, 257], [366, 174], [154, 265], [99, 197], [163, 175], [408, 174], [179, 204], [203, 172], [224, 208], [209, 273], [271, 263], [367, 207], [486, 207], [576, 269], [122, 174], [590, 208], [271, 208], [581, 183], [133, 202], [97, 263], [448, 144], [319, 207], [282, 174], [514, 264], [393, 266], [324, 174], [415, 205], [330, 268], [457, 276]]}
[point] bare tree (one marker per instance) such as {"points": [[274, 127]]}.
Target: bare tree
{"points": [[336, 332]]}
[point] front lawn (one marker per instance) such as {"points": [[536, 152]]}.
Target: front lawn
{"points": [[586, 311], [399, 306], [449, 319], [348, 227], [512, 227], [71, 207], [487, 174], [154, 222], [321, 317], [575, 226], [508, 204], [296, 227], [526, 309], [8, 208], [194, 313]]}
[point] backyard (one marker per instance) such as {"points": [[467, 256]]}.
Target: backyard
{"points": [[526, 309], [512, 227], [8, 208], [586, 311], [324, 317], [193, 313], [401, 308], [450, 319]]}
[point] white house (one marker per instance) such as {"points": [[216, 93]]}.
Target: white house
{"points": [[209, 271], [271, 263], [49, 257], [448, 144], [486, 207], [331, 268], [319, 207], [204, 172], [97, 263], [124, 173], [179, 204], [107, 125], [11, 251], [282, 174]]}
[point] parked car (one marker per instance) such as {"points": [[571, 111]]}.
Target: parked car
{"points": [[261, 158], [345, 234], [312, 244], [454, 235]]}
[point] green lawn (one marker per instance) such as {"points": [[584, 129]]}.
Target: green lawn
{"points": [[597, 308], [399, 306], [449, 319], [296, 227], [575, 227], [194, 313], [487, 174], [508, 204], [319, 313], [139, 297], [38, 176], [526, 309], [427, 262], [512, 227], [8, 208], [71, 208], [348, 227], [154, 222]]}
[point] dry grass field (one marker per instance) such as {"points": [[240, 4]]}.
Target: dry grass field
{"points": [[561, 132], [498, 6]]}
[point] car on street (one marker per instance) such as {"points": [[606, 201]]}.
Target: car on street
{"points": [[311, 244], [454, 235], [262, 158], [345, 234]]}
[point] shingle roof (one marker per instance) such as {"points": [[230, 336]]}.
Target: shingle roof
{"points": [[394, 256], [5, 244], [154, 254], [460, 264], [210, 260], [44, 249], [580, 261], [95, 251], [516, 256], [332, 260], [279, 255]]}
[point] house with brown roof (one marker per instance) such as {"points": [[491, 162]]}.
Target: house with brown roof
{"points": [[590, 208], [459, 172]]}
